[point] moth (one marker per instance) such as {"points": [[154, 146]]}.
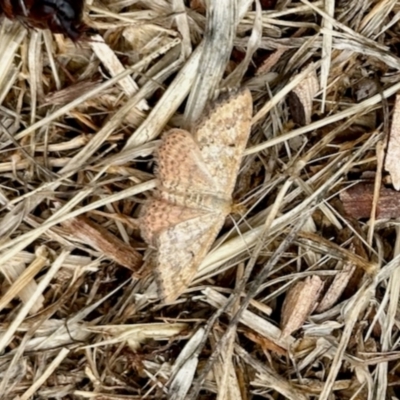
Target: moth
{"points": [[59, 16], [196, 176]]}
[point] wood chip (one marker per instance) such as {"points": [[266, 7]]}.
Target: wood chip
{"points": [[357, 201], [336, 288], [300, 301], [301, 99], [104, 241]]}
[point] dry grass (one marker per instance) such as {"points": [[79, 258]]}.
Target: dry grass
{"points": [[79, 316]]}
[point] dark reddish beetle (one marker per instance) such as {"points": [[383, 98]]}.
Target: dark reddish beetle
{"points": [[60, 16]]}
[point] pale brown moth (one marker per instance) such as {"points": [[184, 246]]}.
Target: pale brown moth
{"points": [[196, 176]]}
